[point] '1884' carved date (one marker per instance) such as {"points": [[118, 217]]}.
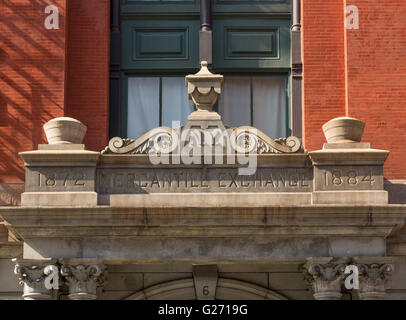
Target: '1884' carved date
{"points": [[351, 177]]}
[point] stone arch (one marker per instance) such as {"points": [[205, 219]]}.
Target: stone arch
{"points": [[227, 289]]}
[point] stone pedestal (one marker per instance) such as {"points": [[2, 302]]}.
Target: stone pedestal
{"points": [[61, 173], [347, 171], [83, 277], [33, 275]]}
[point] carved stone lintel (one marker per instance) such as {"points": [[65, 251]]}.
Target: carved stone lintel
{"points": [[83, 278], [325, 276], [33, 275], [373, 278]]}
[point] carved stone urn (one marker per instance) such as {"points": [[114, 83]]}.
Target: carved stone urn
{"points": [[65, 130], [204, 88], [343, 129]]}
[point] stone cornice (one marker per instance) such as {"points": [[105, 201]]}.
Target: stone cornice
{"points": [[349, 157], [60, 158], [314, 220]]}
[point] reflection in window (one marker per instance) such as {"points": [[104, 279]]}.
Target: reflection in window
{"points": [[154, 102], [143, 106], [257, 101]]}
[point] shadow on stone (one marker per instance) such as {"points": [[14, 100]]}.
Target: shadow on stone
{"points": [[396, 190]]}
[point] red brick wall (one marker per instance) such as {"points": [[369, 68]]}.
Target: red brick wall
{"points": [[377, 78], [323, 67], [88, 68], [32, 79], [374, 58]]}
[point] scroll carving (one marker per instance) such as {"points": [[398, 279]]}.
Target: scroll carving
{"points": [[242, 140]]}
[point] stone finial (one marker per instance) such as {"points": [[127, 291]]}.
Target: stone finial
{"points": [[33, 275], [83, 279], [204, 88], [65, 130], [325, 278], [373, 278], [343, 130]]}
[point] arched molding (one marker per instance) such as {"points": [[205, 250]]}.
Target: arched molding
{"points": [[227, 289]]}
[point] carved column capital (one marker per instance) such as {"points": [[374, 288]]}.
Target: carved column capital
{"points": [[325, 276], [373, 277], [36, 276], [83, 278]]}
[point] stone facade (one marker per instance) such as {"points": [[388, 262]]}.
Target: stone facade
{"points": [[115, 225]]}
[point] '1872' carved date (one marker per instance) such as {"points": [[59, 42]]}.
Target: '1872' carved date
{"points": [[64, 179]]}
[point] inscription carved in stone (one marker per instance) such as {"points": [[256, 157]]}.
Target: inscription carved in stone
{"points": [[348, 178], [59, 179], [112, 181]]}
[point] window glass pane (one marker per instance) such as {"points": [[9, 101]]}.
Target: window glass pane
{"points": [[269, 103], [234, 105], [176, 105], [143, 106]]}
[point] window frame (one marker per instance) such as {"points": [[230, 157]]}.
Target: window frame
{"points": [[127, 75], [222, 9], [124, 98]]}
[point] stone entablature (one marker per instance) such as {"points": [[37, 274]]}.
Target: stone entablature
{"points": [[77, 177]]}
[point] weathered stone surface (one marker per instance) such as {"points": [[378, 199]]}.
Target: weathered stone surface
{"points": [[373, 277], [205, 280], [83, 277], [287, 281], [32, 275], [350, 197], [204, 199], [257, 278], [247, 247], [325, 276], [59, 199], [11, 250], [9, 282]]}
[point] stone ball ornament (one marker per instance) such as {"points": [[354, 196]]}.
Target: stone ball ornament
{"points": [[204, 88], [64, 130]]}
